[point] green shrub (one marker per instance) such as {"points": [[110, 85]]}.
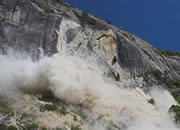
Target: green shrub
{"points": [[63, 110], [31, 126], [176, 83], [62, 3], [114, 60], [178, 99], [144, 39], [48, 107], [84, 117], [75, 118], [126, 35], [121, 28], [108, 21], [175, 109], [84, 16], [5, 127], [95, 16], [76, 128], [151, 101], [2, 126], [115, 76], [39, 97], [157, 74], [163, 78], [168, 52], [169, 83], [58, 128], [6, 110], [53, 107], [11, 128]]}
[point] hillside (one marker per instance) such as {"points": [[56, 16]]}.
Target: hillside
{"points": [[63, 68]]}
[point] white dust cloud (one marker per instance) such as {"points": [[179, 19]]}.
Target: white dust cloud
{"points": [[75, 81]]}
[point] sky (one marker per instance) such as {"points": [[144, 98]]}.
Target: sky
{"points": [[157, 21]]}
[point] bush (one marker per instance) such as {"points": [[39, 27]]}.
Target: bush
{"points": [[32, 126], [2, 126], [48, 107], [114, 60], [53, 107], [170, 83], [115, 76], [168, 52], [84, 117], [5, 127], [143, 39], [63, 110], [108, 21], [178, 99], [6, 110], [76, 128], [175, 109], [11, 128], [75, 118], [151, 101], [163, 78], [176, 83], [157, 74], [84, 16]]}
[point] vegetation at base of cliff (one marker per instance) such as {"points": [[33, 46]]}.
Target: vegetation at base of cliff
{"points": [[47, 98], [48, 107], [76, 128], [168, 52], [84, 117], [31, 126], [54, 104], [75, 118], [44, 128], [4, 110], [63, 110], [5, 127], [175, 109], [53, 107]]}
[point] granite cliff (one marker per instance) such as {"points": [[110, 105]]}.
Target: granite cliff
{"points": [[44, 28], [32, 25]]}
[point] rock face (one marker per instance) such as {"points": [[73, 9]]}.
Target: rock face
{"points": [[25, 26], [51, 26], [46, 27]]}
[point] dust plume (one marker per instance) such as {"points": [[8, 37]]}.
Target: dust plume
{"points": [[78, 82]]}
